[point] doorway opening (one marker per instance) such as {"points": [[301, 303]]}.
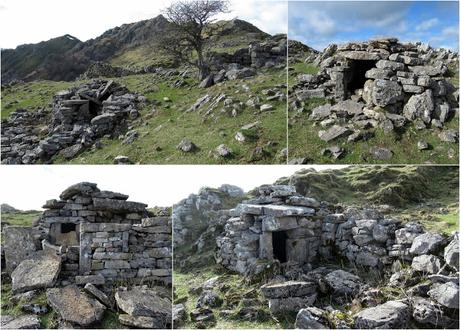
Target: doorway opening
{"points": [[279, 246], [357, 74]]}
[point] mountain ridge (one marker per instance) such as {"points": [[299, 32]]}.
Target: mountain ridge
{"points": [[64, 58]]}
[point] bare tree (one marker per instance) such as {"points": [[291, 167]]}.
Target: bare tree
{"points": [[187, 38]]}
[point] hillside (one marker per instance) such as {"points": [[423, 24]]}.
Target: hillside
{"points": [[129, 45], [238, 118]]}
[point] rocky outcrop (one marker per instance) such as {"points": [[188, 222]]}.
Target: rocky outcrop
{"points": [[199, 219]]}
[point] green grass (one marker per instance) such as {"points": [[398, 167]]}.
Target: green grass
{"points": [[302, 67], [25, 218], [33, 95], [162, 131], [235, 290]]}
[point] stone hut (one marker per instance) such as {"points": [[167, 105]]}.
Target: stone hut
{"points": [[97, 234], [78, 118], [380, 83], [282, 227]]}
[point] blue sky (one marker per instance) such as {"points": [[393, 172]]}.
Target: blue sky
{"points": [[319, 23]]}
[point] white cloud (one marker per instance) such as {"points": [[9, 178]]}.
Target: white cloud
{"points": [[28, 187], [427, 24]]}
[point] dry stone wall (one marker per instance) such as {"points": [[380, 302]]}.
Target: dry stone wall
{"points": [[281, 226]]}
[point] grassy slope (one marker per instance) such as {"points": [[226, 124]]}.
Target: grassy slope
{"points": [[169, 125], [25, 218], [304, 140], [427, 194]]}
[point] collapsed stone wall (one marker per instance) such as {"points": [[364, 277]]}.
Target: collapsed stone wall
{"points": [[311, 231], [79, 117], [380, 83]]}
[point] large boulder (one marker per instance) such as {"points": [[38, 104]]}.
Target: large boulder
{"points": [[426, 243], [446, 294], [18, 245], [420, 106], [75, 306], [386, 92], [390, 315], [40, 271], [82, 188], [343, 282], [140, 301]]}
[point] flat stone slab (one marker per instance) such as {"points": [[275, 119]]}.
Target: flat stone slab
{"points": [[19, 245], [75, 306], [333, 133], [144, 302], [115, 205], [37, 272], [390, 315], [288, 289], [140, 322], [21, 322], [343, 282]]}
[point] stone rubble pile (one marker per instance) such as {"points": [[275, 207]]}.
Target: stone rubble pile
{"points": [[243, 62], [86, 242], [79, 117], [380, 84]]}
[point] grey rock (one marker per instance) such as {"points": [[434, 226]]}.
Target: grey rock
{"points": [[425, 311], [310, 318], [122, 160], [422, 145], [451, 252], [343, 282], [390, 315], [449, 135], [99, 295], [288, 289], [420, 107], [223, 151], [144, 302], [40, 271], [209, 299], [333, 133], [386, 92], [446, 294], [426, 243], [321, 112], [381, 153], [179, 314], [426, 263], [22, 322], [186, 146], [351, 107], [82, 188], [18, 245]]}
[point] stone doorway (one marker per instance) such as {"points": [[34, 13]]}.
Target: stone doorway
{"points": [[356, 74], [279, 246]]}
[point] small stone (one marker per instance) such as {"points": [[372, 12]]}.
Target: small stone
{"points": [[381, 153], [422, 145], [266, 107], [186, 146]]}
